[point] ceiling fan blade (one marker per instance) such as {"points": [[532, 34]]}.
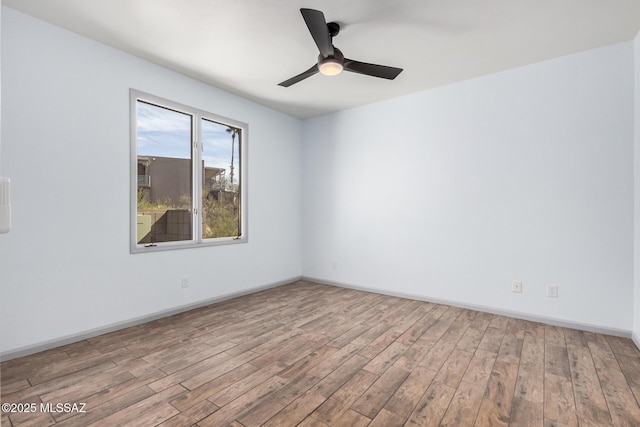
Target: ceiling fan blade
{"points": [[310, 72], [318, 28], [374, 70]]}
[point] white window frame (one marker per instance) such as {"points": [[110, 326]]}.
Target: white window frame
{"points": [[196, 158]]}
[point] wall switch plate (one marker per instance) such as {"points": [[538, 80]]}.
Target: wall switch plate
{"points": [[184, 282], [552, 291], [517, 287]]}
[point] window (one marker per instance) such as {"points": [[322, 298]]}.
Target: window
{"points": [[188, 176]]}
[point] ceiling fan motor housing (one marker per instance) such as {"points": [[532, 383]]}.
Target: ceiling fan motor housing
{"points": [[336, 57], [331, 65]]}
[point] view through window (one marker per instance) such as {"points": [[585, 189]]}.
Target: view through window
{"points": [[188, 176]]}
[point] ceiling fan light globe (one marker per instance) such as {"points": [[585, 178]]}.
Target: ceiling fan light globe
{"points": [[330, 67]]}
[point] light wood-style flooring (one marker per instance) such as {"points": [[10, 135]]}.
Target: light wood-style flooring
{"points": [[316, 355]]}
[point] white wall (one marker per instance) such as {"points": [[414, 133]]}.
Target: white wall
{"points": [[455, 192], [636, 216], [65, 268]]}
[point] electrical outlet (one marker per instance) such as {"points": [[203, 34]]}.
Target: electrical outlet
{"points": [[552, 291], [517, 287], [334, 264], [185, 282]]}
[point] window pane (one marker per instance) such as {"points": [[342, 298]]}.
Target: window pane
{"points": [[164, 212], [221, 180]]}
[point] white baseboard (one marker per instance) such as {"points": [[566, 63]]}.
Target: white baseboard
{"points": [[515, 314], [57, 342], [635, 338]]}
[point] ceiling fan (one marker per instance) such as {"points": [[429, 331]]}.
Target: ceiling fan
{"points": [[331, 61]]}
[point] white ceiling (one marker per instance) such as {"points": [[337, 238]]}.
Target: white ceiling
{"points": [[248, 46]]}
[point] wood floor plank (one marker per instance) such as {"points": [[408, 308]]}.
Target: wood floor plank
{"points": [[315, 355], [4, 419], [502, 383], [481, 321], [380, 343], [297, 410], [246, 384], [14, 386], [348, 336], [499, 322], [159, 415], [335, 360], [554, 335], [442, 325], [243, 403], [340, 401], [480, 367], [437, 355], [125, 393], [591, 406], [630, 367], [414, 354], [310, 422], [80, 392], [411, 324], [380, 363], [375, 397], [295, 387], [525, 413], [559, 401], [308, 362], [190, 372], [406, 397], [415, 331], [268, 406], [371, 335], [299, 343], [191, 415], [556, 360], [623, 346], [336, 379], [387, 419], [454, 368], [210, 388], [530, 382], [575, 337], [252, 343], [620, 399], [535, 330], [471, 338], [457, 328], [464, 405], [510, 349], [495, 408], [432, 406], [122, 408], [352, 419], [56, 386], [492, 340], [492, 413]]}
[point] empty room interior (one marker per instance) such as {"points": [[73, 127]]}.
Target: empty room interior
{"points": [[197, 229]]}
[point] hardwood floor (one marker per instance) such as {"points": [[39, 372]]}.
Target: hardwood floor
{"points": [[316, 355]]}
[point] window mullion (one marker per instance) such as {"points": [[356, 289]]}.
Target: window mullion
{"points": [[197, 179]]}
